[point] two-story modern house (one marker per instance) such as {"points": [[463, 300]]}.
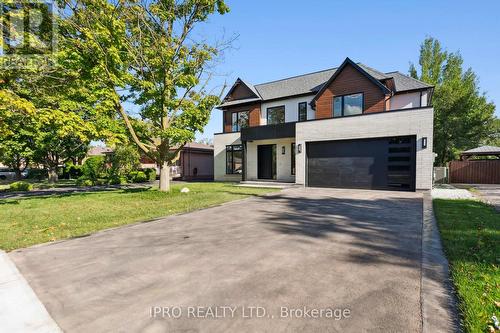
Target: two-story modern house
{"points": [[346, 127]]}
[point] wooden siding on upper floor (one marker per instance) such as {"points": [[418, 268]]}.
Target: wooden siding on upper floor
{"points": [[254, 116], [350, 81]]}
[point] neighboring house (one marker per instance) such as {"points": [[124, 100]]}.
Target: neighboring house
{"points": [[347, 127], [196, 162]]}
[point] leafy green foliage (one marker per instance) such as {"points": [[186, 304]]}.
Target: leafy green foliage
{"points": [[17, 130], [470, 231], [146, 53], [137, 177], [463, 118], [94, 168], [21, 186], [125, 158], [150, 173]]}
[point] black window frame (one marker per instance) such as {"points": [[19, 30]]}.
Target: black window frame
{"points": [[342, 104], [292, 159], [276, 107], [238, 129], [232, 150], [298, 111]]}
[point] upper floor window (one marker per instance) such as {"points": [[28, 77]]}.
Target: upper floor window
{"points": [[348, 105], [276, 115], [302, 111], [239, 120]]}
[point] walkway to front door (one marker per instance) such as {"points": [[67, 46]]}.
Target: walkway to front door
{"points": [[266, 161]]}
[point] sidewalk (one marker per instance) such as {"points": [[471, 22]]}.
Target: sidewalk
{"points": [[20, 308]]}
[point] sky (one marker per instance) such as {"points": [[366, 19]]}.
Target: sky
{"points": [[279, 39]]}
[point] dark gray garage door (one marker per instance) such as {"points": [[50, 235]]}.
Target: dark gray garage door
{"points": [[380, 163]]}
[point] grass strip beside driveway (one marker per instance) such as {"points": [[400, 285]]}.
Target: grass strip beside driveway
{"points": [[470, 231], [30, 221]]}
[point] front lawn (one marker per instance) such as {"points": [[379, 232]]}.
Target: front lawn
{"points": [[29, 221], [470, 231]]}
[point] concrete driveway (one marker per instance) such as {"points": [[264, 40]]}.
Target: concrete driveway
{"points": [[354, 255]]}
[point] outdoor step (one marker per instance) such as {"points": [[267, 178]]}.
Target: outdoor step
{"points": [[269, 184]]}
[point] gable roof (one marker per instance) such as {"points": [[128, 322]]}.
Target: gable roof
{"points": [[312, 83], [236, 84], [346, 62]]}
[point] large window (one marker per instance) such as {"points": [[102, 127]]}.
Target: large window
{"points": [[239, 120], [276, 115], [302, 111], [234, 159], [293, 158], [348, 105]]}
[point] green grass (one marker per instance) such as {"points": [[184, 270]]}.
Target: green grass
{"points": [[471, 235], [29, 221], [39, 184]]}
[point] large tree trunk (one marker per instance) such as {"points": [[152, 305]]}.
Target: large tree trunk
{"points": [[53, 177], [164, 177]]}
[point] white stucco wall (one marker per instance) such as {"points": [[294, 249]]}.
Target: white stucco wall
{"points": [[409, 100], [220, 143], [405, 101], [283, 161], [291, 109], [412, 122]]}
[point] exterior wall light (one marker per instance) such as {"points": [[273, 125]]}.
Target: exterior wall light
{"points": [[424, 142], [283, 150], [299, 148]]}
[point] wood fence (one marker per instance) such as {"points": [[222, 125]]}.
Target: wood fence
{"points": [[475, 172]]}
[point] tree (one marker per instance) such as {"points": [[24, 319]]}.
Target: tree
{"points": [[61, 136], [17, 131], [68, 109], [463, 118], [125, 158], [147, 53]]}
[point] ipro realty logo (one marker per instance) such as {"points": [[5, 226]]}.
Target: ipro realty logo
{"points": [[28, 32]]}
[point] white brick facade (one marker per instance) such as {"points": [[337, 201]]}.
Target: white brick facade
{"points": [[417, 122]]}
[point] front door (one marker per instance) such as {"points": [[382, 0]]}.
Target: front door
{"points": [[266, 162]]}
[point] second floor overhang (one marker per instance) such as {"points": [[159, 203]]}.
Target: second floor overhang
{"points": [[275, 131]]}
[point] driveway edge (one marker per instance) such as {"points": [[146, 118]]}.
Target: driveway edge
{"points": [[20, 308], [438, 299]]}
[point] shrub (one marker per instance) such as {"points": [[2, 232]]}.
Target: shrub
{"points": [[21, 186], [82, 181], [72, 171], [137, 177], [150, 173], [124, 160], [38, 174], [117, 180], [94, 168]]}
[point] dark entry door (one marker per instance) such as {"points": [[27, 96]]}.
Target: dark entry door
{"points": [[266, 162], [379, 163]]}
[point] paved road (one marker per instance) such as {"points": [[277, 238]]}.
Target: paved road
{"points": [[319, 248]]}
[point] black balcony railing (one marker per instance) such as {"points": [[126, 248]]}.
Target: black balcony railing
{"points": [[284, 130]]}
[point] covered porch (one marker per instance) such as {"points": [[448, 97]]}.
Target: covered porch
{"points": [[269, 153]]}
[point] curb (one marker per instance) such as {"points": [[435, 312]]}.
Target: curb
{"points": [[20, 308], [438, 298]]}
